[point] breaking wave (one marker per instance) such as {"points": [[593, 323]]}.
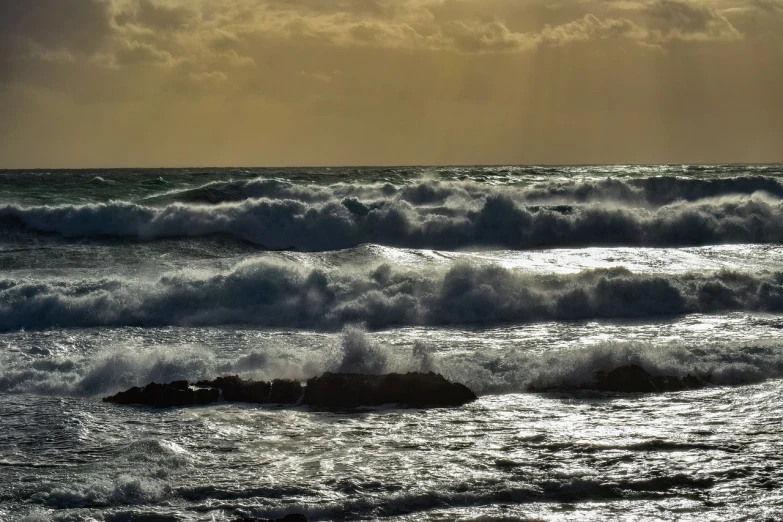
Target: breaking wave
{"points": [[660, 190], [512, 370], [424, 221], [724, 364], [123, 491], [274, 293]]}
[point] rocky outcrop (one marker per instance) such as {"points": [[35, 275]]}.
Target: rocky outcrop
{"points": [[238, 390], [329, 391], [232, 388], [285, 391], [415, 390], [178, 393], [632, 378]]}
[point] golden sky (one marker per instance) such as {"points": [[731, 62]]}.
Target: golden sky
{"points": [[109, 83]]}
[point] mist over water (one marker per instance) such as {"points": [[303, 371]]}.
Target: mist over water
{"points": [[506, 279]]}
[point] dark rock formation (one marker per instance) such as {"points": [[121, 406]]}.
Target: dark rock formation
{"points": [[177, 393], [416, 390], [331, 390], [285, 391], [238, 390], [632, 378], [231, 388]]}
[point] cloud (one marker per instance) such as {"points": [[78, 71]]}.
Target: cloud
{"points": [[70, 25], [482, 37], [420, 80], [135, 53], [166, 17], [155, 32], [679, 19], [592, 28], [774, 6]]}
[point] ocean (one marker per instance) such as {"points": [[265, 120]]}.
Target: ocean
{"points": [[506, 279]]}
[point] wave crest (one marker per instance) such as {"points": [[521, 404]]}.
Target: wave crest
{"points": [[655, 190], [514, 369], [495, 221], [288, 294]]}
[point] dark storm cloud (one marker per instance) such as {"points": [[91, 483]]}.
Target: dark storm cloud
{"points": [[71, 25]]}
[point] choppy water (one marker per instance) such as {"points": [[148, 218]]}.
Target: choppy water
{"points": [[502, 278]]}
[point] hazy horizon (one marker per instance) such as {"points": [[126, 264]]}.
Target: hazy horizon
{"points": [[390, 166]]}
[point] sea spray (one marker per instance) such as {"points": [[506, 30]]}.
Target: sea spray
{"points": [[279, 293], [497, 220]]}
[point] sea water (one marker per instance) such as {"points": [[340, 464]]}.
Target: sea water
{"points": [[503, 278]]}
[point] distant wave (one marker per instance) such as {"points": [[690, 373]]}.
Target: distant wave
{"points": [[286, 293], [655, 191], [494, 221]]}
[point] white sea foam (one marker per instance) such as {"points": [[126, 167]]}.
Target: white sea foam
{"points": [[124, 490], [485, 220], [275, 292], [425, 190], [545, 319], [513, 370]]}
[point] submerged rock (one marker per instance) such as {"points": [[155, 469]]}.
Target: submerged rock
{"points": [[416, 390], [632, 378], [331, 390]]}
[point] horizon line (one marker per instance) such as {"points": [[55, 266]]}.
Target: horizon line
{"points": [[392, 166]]}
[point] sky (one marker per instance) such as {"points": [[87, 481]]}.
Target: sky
{"points": [[168, 83]]}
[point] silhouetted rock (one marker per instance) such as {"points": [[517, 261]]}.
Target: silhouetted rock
{"points": [[166, 395], [632, 378], [238, 390], [285, 391], [350, 390], [331, 390]]}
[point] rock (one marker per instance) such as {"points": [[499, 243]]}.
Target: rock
{"points": [[350, 390], [238, 390], [177, 393], [331, 390], [632, 378], [285, 391]]}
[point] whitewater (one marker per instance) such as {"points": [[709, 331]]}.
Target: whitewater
{"points": [[506, 279]]}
